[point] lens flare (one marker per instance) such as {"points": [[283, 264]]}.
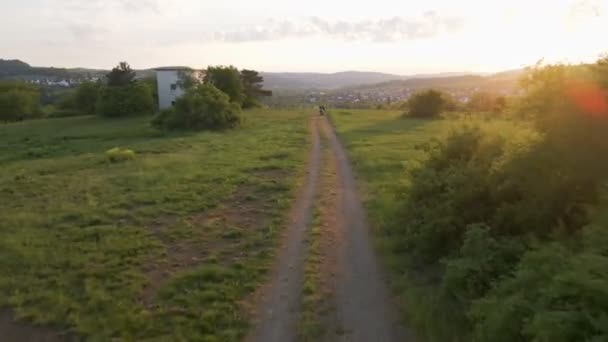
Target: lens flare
{"points": [[588, 97]]}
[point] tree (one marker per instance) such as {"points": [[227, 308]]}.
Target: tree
{"points": [[188, 79], [85, 97], [487, 102], [450, 104], [131, 99], [600, 71], [426, 104], [120, 75], [18, 101], [228, 80], [252, 87], [203, 107], [151, 83]]}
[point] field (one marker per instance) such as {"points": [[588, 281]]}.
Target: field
{"points": [[165, 242], [384, 149], [110, 229]]}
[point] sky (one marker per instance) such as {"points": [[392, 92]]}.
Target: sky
{"points": [[395, 36]]}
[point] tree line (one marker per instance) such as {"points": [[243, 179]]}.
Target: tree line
{"points": [[223, 90]]}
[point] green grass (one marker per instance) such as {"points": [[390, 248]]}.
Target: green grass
{"points": [[382, 148], [161, 245]]}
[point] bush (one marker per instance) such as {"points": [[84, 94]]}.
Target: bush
{"points": [[203, 107], [482, 208], [118, 154], [487, 102], [119, 101], [18, 101], [85, 97], [427, 104], [555, 294], [501, 226]]}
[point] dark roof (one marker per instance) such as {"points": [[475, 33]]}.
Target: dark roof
{"points": [[169, 68]]}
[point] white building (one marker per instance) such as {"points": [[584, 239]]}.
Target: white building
{"points": [[167, 81]]}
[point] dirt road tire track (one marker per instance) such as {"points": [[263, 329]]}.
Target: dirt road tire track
{"points": [[275, 316]]}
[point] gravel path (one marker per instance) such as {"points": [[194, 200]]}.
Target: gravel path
{"points": [[362, 303]]}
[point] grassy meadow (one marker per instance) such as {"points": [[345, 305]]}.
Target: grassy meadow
{"points": [[164, 244]]}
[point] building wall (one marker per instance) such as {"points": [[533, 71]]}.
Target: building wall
{"points": [[168, 90]]}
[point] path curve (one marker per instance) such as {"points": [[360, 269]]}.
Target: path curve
{"points": [[362, 302], [275, 316]]}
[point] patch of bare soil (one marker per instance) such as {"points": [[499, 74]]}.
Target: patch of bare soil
{"points": [[239, 211], [364, 311], [277, 302]]}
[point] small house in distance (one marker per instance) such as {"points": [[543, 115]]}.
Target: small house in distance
{"points": [[168, 84]]}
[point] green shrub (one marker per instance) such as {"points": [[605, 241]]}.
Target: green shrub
{"points": [[203, 107], [18, 101], [117, 154], [481, 260], [427, 104], [119, 101], [487, 102], [555, 294], [495, 225], [85, 97]]}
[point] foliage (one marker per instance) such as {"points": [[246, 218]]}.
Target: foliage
{"points": [[475, 206], [85, 97], [106, 251], [117, 154], [450, 103], [487, 102], [188, 79], [18, 101], [52, 95], [228, 80], [119, 101], [426, 104], [150, 82], [252, 87], [203, 107], [556, 294], [65, 106], [121, 75]]}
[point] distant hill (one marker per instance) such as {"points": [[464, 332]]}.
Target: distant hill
{"points": [[306, 80], [321, 81], [499, 82], [17, 69]]}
